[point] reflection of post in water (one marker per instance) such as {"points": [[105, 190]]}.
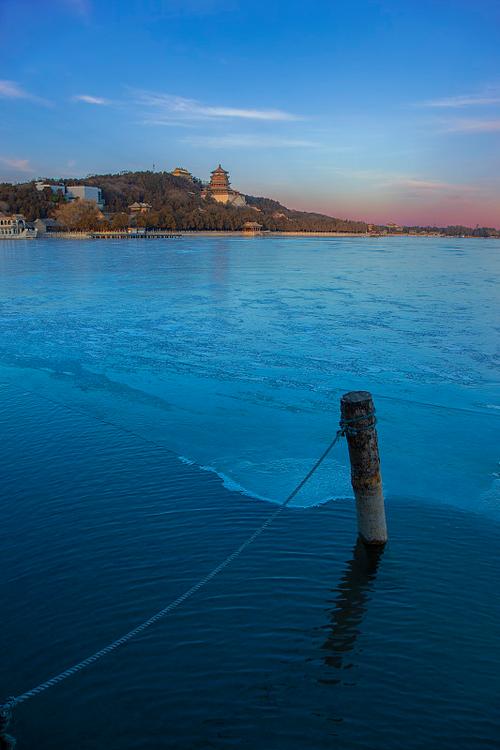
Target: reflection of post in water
{"points": [[351, 603]]}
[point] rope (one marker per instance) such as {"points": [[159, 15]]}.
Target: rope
{"points": [[347, 429], [7, 707]]}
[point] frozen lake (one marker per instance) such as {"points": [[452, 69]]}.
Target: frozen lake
{"points": [[233, 352], [119, 358]]}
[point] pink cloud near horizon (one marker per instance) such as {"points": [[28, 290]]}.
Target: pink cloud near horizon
{"points": [[431, 209]]}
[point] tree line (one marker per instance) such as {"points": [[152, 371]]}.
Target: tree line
{"points": [[176, 203]]}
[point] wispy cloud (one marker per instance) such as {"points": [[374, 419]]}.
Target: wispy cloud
{"points": [[462, 100], [12, 90], [408, 185], [432, 185], [471, 125], [18, 165], [411, 188], [247, 141], [190, 8], [81, 8], [166, 107], [88, 99]]}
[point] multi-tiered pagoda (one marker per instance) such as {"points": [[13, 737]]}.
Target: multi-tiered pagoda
{"points": [[221, 191]]}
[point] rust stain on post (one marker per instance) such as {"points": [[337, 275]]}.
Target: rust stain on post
{"points": [[358, 418]]}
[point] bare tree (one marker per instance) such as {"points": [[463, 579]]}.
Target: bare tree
{"points": [[80, 214]]}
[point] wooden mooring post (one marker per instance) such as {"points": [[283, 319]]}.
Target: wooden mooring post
{"points": [[359, 424]]}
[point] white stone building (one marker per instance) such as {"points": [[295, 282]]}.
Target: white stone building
{"points": [[72, 192], [86, 193], [14, 227]]}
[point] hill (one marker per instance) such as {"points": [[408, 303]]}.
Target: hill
{"points": [[176, 203]]}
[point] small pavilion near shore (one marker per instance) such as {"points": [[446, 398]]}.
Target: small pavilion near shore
{"points": [[252, 227]]}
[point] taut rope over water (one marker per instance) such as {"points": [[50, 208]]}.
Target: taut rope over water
{"points": [[7, 742]]}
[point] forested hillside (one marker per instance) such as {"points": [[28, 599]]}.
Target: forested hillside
{"points": [[176, 203]]}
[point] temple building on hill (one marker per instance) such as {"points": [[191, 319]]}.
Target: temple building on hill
{"points": [[140, 208], [181, 172], [220, 190]]}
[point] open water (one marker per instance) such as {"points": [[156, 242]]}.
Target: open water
{"points": [[231, 354]]}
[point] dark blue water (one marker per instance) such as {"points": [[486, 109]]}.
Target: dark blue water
{"points": [[305, 641]]}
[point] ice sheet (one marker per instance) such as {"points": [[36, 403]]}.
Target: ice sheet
{"points": [[233, 352]]}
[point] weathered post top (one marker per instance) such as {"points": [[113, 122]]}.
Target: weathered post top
{"points": [[359, 424]]}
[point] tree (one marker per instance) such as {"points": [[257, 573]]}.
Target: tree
{"points": [[80, 214], [119, 221], [142, 220], [166, 219]]}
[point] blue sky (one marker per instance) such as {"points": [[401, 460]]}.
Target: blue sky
{"points": [[375, 109]]}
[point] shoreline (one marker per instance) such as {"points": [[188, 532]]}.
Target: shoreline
{"points": [[236, 233], [240, 233]]}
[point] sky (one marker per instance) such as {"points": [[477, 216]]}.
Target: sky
{"points": [[381, 110]]}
